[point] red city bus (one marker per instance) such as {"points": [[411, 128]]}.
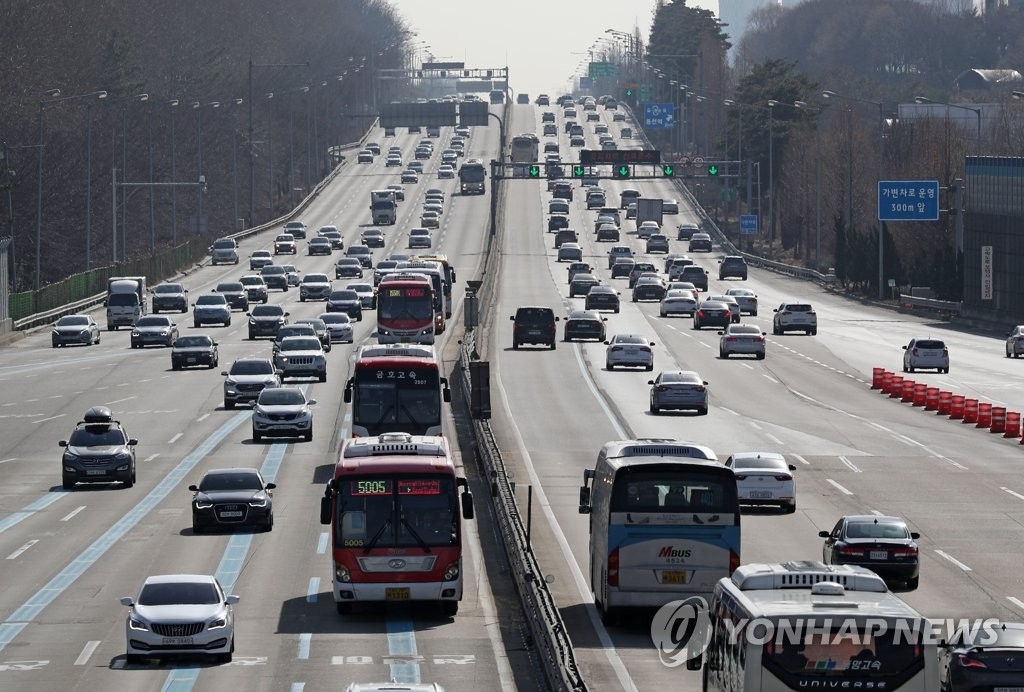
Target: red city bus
{"points": [[396, 388], [396, 514], [405, 309]]}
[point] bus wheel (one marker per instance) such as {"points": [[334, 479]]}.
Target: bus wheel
{"points": [[449, 608]]}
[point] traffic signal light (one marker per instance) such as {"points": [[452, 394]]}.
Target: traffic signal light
{"points": [[668, 170], [628, 92], [577, 171], [712, 170], [622, 171], [534, 171]]}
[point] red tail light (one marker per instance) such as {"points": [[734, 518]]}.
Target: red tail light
{"points": [[645, 349], [904, 552], [849, 551], [968, 662], [699, 388], [700, 313], [783, 477], [616, 348], [613, 568], [945, 351], [731, 338]]}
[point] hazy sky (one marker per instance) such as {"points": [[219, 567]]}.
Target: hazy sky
{"points": [[540, 41]]}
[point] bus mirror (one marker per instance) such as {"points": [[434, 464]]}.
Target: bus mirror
{"points": [[584, 500], [693, 663], [467, 505], [348, 392], [325, 510], [446, 392]]}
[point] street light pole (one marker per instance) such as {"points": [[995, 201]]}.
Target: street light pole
{"points": [[173, 104], [771, 176]]}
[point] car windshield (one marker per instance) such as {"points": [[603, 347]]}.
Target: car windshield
{"points": [[679, 293], [224, 245], [211, 300], [73, 321], [235, 480], [685, 377], [193, 342], [744, 329], [267, 311], [773, 463], [358, 250], [281, 396], [335, 318], [271, 269], [630, 339], [99, 435], [300, 344], [229, 288], [285, 237], [295, 330], [316, 279], [252, 367], [793, 307], [925, 343], [168, 288], [876, 529], [315, 324], [344, 295], [179, 593], [153, 322]]}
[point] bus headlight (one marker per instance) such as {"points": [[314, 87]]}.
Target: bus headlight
{"points": [[341, 574], [451, 572]]}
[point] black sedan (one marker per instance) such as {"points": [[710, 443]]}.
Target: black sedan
{"points": [[986, 659], [154, 329], [882, 544], [232, 498], [602, 297], [347, 301], [585, 324], [648, 288], [557, 222], [194, 349], [712, 313]]}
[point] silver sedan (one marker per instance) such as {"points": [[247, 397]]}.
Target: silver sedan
{"points": [[680, 390], [745, 339], [678, 301]]}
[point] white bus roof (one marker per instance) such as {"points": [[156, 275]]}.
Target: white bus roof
{"points": [[395, 444], [396, 350], [656, 447]]}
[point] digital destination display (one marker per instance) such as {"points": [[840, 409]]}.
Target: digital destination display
{"points": [[371, 487], [420, 486], [408, 292], [384, 486]]}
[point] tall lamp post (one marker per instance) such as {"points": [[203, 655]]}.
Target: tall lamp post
{"points": [[976, 111], [52, 97], [173, 105], [849, 174], [803, 105], [771, 174], [199, 138]]}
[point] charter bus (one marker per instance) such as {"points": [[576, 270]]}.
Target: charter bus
{"points": [[395, 512], [396, 388], [524, 149], [449, 270], [664, 523], [807, 625], [439, 279], [406, 309], [472, 177]]}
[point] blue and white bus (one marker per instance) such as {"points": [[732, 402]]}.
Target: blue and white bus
{"points": [[664, 523]]}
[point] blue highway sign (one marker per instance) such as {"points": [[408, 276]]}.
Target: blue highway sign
{"points": [[659, 115], [748, 224], [908, 200]]}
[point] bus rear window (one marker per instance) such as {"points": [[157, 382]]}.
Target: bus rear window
{"points": [[849, 655], [671, 491]]}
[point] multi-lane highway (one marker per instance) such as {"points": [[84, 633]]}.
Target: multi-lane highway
{"points": [[67, 557]]}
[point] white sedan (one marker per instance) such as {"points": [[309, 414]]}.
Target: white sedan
{"points": [[631, 350], [764, 478], [678, 301], [446, 171], [339, 326]]}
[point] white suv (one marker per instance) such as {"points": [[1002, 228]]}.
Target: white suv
{"points": [[799, 317], [301, 356], [925, 353]]}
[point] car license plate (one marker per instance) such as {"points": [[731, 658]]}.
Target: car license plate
{"points": [[760, 495], [879, 554], [1008, 689], [230, 515], [673, 577], [95, 472], [397, 594], [190, 360], [178, 641]]}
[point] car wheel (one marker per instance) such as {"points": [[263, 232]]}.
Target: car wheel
{"points": [[910, 368], [760, 356], [251, 336], [195, 325], [226, 658], [609, 367], [256, 436], [775, 330], [302, 298], [67, 483], [515, 346], [131, 479], [308, 435], [912, 583], [654, 409], [55, 345], [790, 508], [702, 411], [175, 365], [649, 368], [616, 311], [552, 345], [323, 377], [228, 405], [269, 526], [722, 354]]}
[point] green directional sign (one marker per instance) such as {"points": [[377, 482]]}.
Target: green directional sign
{"points": [[622, 171], [535, 171], [601, 69], [712, 170], [668, 170], [577, 171]]}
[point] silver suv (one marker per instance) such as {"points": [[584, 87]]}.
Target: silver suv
{"points": [[246, 379], [301, 356]]}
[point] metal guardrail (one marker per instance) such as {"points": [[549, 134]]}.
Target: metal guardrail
{"points": [[949, 306]]}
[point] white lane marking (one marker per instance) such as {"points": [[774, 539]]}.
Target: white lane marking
{"points": [[838, 487], [800, 459], [43, 420], [1016, 601], [22, 549], [773, 438], [83, 657], [1015, 494], [175, 438], [849, 464], [298, 686], [120, 401], [321, 544], [727, 410], [4, 461], [877, 513], [203, 417], [754, 425], [304, 641], [952, 559], [748, 366], [313, 590], [72, 513], [769, 378]]}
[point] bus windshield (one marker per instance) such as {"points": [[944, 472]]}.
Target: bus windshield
{"points": [[397, 398], [390, 511], [406, 304], [664, 490]]}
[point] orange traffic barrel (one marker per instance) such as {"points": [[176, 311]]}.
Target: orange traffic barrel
{"points": [[957, 402], [970, 410], [945, 403], [877, 374], [931, 399], [1012, 424], [896, 390], [998, 420], [984, 415], [920, 394], [908, 391], [887, 382]]}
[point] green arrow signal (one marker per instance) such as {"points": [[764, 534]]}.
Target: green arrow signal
{"points": [[577, 171], [712, 169], [623, 171], [534, 171], [668, 171]]}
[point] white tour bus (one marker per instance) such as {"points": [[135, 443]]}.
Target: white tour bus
{"points": [[664, 523], [807, 625]]}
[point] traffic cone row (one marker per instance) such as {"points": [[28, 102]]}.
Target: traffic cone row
{"points": [[981, 414]]}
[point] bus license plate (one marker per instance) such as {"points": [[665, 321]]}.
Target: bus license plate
{"points": [[673, 577], [879, 554], [396, 594], [178, 641]]}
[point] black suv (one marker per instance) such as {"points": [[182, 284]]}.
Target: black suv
{"points": [[265, 320], [732, 265], [534, 325], [99, 451], [236, 295], [275, 276], [695, 275]]}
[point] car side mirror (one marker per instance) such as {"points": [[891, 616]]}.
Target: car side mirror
{"points": [[650, 381], [224, 373], [62, 443], [311, 402], [127, 601], [193, 488], [764, 333], [792, 467], [915, 535], [556, 318], [270, 486], [823, 534], [231, 600], [215, 343], [287, 314], [652, 343], [132, 442], [721, 333]]}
